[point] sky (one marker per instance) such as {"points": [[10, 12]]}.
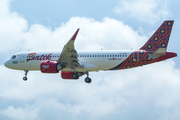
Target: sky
{"points": [[148, 92]]}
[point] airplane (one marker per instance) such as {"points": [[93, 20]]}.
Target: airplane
{"points": [[74, 64]]}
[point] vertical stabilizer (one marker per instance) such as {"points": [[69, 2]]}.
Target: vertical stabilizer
{"points": [[160, 38]]}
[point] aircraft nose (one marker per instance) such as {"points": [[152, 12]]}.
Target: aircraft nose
{"points": [[6, 64]]}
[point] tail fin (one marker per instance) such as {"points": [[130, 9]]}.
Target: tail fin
{"points": [[160, 38]]}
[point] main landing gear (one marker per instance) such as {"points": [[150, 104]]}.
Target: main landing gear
{"points": [[87, 79], [25, 77], [76, 75]]}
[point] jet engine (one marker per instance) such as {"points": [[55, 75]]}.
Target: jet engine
{"points": [[50, 67], [67, 75]]}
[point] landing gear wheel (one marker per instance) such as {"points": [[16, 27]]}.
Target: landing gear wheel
{"points": [[75, 76], [88, 80], [25, 78]]}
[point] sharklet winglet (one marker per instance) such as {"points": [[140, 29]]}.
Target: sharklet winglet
{"points": [[74, 36]]}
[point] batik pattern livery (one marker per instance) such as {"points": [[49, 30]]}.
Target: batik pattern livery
{"points": [[158, 40]]}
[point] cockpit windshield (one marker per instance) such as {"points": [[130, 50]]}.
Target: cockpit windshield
{"points": [[13, 57]]}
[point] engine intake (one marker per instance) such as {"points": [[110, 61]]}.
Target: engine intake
{"points": [[50, 67]]}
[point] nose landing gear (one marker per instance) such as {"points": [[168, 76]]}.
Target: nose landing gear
{"points": [[25, 77]]}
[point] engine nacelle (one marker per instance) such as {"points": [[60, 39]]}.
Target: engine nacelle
{"points": [[66, 75], [50, 67]]}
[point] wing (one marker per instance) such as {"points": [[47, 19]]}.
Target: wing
{"points": [[68, 57]]}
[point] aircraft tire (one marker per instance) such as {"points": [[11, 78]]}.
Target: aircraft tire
{"points": [[75, 76], [88, 80], [25, 78]]}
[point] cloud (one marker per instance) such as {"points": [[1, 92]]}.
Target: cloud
{"points": [[98, 34], [19, 36], [20, 113], [144, 10], [12, 27], [149, 92]]}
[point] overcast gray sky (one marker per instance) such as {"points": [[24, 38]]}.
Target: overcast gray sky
{"points": [[149, 92]]}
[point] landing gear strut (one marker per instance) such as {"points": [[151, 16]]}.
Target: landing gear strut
{"points": [[25, 77], [87, 79], [75, 74]]}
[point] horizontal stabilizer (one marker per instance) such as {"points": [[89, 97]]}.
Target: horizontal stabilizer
{"points": [[159, 52]]}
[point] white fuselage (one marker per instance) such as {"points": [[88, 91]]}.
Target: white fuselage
{"points": [[91, 60]]}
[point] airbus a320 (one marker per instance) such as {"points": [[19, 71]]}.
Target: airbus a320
{"points": [[74, 64]]}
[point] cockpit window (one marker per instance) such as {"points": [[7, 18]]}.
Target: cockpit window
{"points": [[13, 57]]}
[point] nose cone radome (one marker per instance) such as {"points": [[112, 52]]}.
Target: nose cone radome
{"points": [[7, 64]]}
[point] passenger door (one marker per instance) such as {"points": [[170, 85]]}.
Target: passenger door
{"points": [[22, 58]]}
